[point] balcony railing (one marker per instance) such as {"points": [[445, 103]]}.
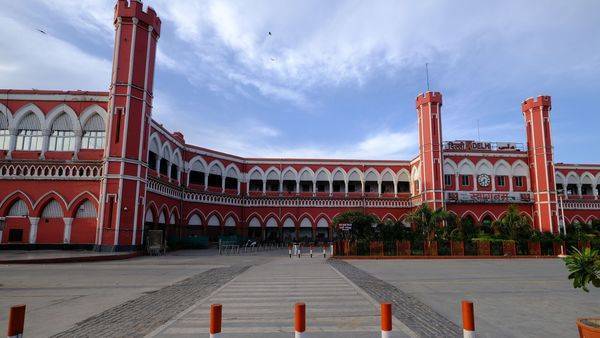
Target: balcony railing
{"points": [[44, 170]]}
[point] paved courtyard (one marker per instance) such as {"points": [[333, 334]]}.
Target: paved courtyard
{"points": [[170, 296], [513, 298]]}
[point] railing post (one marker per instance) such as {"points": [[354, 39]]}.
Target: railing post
{"points": [[386, 320], [468, 319], [215, 320], [299, 320], [16, 321]]}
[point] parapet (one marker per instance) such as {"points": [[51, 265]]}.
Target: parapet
{"points": [[540, 101], [429, 97], [179, 136], [135, 9]]}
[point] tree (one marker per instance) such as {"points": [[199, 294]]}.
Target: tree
{"points": [[584, 268], [513, 225], [426, 221], [362, 225]]}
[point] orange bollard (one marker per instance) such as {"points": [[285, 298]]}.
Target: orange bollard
{"points": [[215, 320], [16, 321], [468, 319], [386, 320], [299, 319]]}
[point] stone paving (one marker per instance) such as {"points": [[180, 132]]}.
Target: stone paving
{"points": [[259, 303], [419, 317], [139, 316]]}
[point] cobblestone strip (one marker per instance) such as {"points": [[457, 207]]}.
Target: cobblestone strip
{"points": [[138, 317], [416, 315]]}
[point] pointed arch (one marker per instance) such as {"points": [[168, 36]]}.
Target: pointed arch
{"points": [[9, 200], [355, 173], [322, 174], [75, 204], [306, 222], [466, 167], [289, 173], [254, 222], [166, 152], [372, 175], [214, 219], [255, 215], [403, 175], [450, 167], [216, 167], [471, 214], [388, 216], [484, 167], [323, 222], [46, 198], [339, 174], [273, 174], [306, 174], [58, 111], [502, 168], [289, 222], [388, 175], [519, 168], [151, 207], [195, 217], [232, 169], [175, 214], [25, 110], [488, 213], [230, 221], [90, 111], [256, 173]]}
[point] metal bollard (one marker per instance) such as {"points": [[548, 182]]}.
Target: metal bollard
{"points": [[324, 253], [386, 320], [299, 320], [311, 251], [215, 320], [468, 319], [290, 252], [16, 321]]}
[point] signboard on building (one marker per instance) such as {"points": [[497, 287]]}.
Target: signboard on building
{"points": [[468, 145], [487, 197], [345, 226]]}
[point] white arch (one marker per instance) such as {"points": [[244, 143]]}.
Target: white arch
{"points": [[256, 173], [306, 174], [484, 167], [232, 171], [155, 144], [587, 178], [162, 218], [23, 111], [306, 223], [214, 221], [572, 178], [559, 178], [519, 168], [216, 167], [450, 168], [198, 164], [149, 216], [7, 113], [271, 222], [289, 173], [90, 111], [339, 174], [502, 168], [195, 220], [355, 173], [372, 175], [230, 222], [273, 174], [466, 167], [254, 223], [322, 223], [388, 176], [288, 223], [58, 111], [403, 175], [166, 151], [176, 158], [323, 174]]}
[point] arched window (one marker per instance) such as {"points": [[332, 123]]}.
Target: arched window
{"points": [[86, 210], [62, 137], [354, 182], [4, 133], [231, 179], [322, 182], [306, 181], [197, 173], [164, 161], [29, 133], [94, 133], [289, 182], [255, 183], [215, 178], [18, 209], [272, 181], [387, 183], [153, 154], [371, 184], [403, 185], [338, 183], [52, 210], [175, 164]]}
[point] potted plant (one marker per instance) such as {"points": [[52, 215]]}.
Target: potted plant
{"points": [[584, 268]]}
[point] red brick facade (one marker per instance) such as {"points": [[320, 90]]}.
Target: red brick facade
{"points": [[94, 169]]}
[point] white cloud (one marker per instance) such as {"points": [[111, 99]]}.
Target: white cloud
{"points": [[42, 61]]}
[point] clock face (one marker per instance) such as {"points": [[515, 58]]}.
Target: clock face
{"points": [[484, 180]]}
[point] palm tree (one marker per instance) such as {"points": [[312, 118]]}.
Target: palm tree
{"points": [[512, 225], [427, 220]]}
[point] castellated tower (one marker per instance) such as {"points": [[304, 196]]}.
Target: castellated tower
{"points": [[541, 162], [429, 107], [123, 187]]}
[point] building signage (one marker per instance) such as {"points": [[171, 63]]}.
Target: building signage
{"points": [[479, 146], [345, 226], [487, 197]]}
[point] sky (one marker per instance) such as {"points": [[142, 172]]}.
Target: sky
{"points": [[335, 79]]}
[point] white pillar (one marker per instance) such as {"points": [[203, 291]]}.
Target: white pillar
{"points": [[78, 136], [45, 141], [33, 229], [510, 183], [264, 190], [12, 141], [330, 188], [67, 232]]}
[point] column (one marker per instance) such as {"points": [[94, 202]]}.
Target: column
{"points": [[33, 229], [67, 232]]}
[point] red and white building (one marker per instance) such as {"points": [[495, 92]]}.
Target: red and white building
{"points": [[93, 169]]}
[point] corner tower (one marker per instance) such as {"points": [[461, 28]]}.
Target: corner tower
{"points": [[541, 161], [429, 107], [123, 186]]}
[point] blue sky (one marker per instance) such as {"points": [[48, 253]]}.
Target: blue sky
{"points": [[335, 78]]}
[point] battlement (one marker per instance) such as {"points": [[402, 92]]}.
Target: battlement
{"points": [[135, 9], [540, 101], [429, 97]]}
